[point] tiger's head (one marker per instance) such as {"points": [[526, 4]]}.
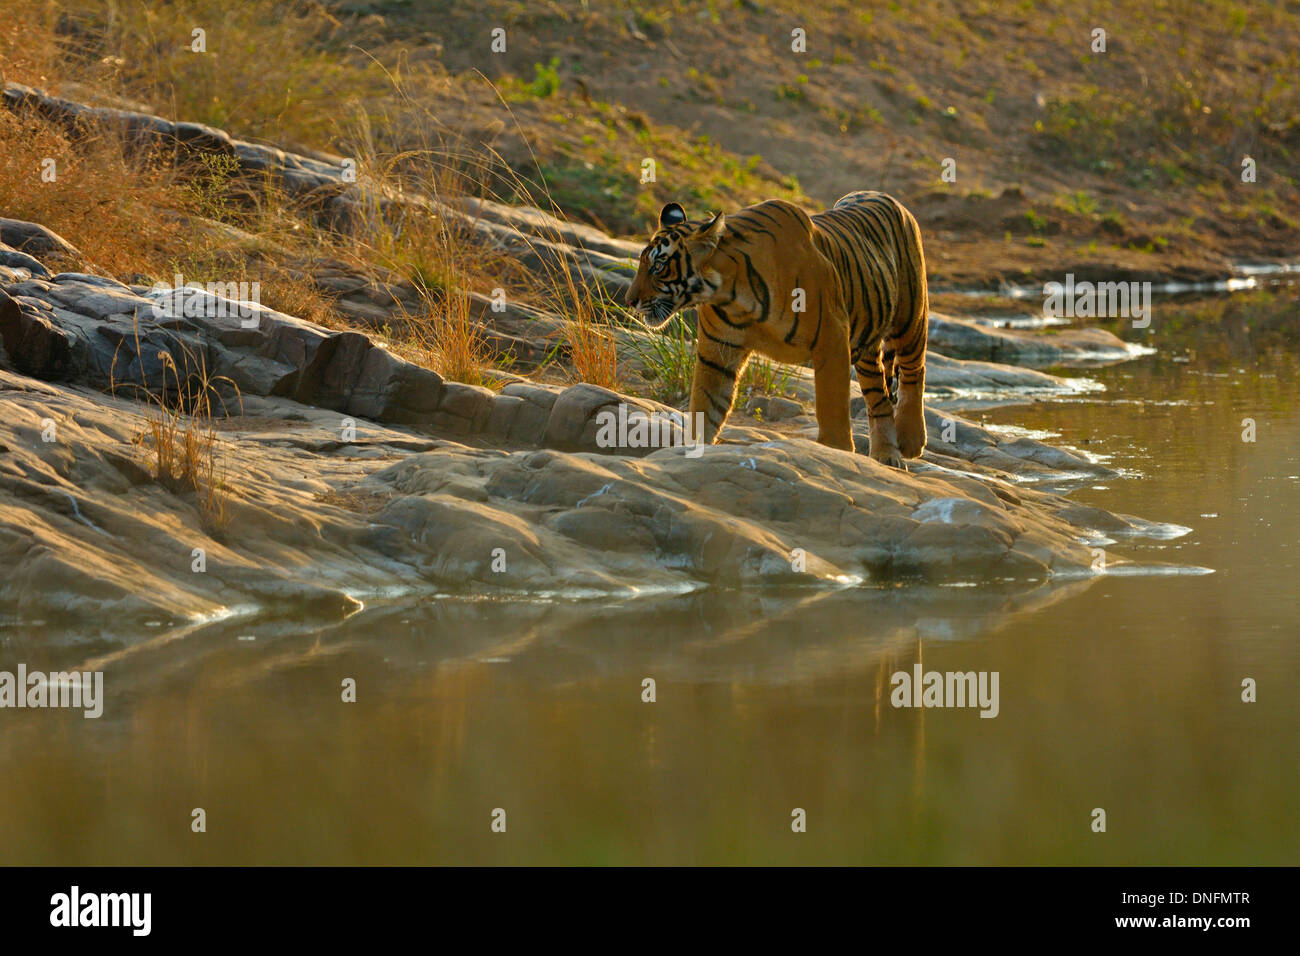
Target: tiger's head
{"points": [[674, 271]]}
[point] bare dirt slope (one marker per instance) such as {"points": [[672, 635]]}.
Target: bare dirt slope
{"points": [[1127, 160]]}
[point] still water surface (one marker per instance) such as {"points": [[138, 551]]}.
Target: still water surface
{"points": [[1120, 692]]}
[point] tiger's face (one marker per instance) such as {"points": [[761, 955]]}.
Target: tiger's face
{"points": [[674, 272]]}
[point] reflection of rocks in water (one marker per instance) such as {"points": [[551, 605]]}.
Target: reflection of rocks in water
{"points": [[783, 637], [787, 637]]}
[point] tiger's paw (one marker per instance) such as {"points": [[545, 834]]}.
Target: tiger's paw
{"points": [[909, 423], [842, 442], [884, 441], [911, 443], [888, 455]]}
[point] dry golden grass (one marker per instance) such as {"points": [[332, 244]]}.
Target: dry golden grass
{"points": [[443, 259], [116, 207], [132, 215], [272, 69], [29, 48], [593, 354], [446, 338], [179, 439], [207, 220], [458, 347]]}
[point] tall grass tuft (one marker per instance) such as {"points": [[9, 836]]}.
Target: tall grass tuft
{"points": [[762, 377], [179, 439], [592, 352], [447, 338]]}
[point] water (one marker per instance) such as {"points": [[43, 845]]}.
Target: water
{"points": [[1121, 693], [1246, 277]]}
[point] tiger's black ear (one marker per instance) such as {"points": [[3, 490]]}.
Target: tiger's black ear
{"points": [[671, 215]]}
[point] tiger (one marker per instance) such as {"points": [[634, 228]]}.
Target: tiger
{"points": [[828, 289]]}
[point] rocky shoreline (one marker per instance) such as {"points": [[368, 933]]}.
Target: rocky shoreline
{"points": [[345, 472], [352, 472]]}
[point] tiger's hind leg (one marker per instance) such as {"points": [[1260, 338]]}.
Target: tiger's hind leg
{"points": [[909, 364], [907, 340], [880, 410], [909, 413]]}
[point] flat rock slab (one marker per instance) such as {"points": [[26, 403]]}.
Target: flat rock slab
{"points": [[320, 520]]}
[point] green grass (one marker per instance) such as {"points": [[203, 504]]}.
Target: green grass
{"points": [[668, 358], [762, 377], [1080, 203], [545, 83]]}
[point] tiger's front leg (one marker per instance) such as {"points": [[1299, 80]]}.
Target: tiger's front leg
{"points": [[832, 373], [713, 389]]}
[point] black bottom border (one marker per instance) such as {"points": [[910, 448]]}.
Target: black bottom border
{"points": [[334, 905]]}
